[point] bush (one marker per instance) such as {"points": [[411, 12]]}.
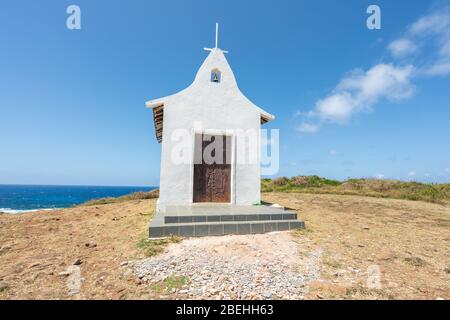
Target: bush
{"points": [[281, 181], [438, 193], [300, 181], [140, 195]]}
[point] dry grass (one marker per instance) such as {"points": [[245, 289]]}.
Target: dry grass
{"points": [[141, 195], [409, 241], [152, 247], [171, 282], [41, 245], [435, 193]]}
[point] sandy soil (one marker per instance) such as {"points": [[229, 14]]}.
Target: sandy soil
{"points": [[407, 242], [41, 245]]}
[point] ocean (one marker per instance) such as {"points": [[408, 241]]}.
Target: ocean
{"points": [[26, 198]]}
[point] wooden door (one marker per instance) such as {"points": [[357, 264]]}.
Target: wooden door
{"points": [[212, 179]]}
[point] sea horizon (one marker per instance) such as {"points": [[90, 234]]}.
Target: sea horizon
{"points": [[21, 198], [75, 185]]}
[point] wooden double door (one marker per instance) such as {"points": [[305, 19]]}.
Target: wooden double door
{"points": [[212, 168]]}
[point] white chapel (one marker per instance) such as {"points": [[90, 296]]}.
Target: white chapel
{"points": [[211, 110]]}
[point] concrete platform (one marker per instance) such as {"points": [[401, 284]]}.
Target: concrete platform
{"points": [[199, 220]]}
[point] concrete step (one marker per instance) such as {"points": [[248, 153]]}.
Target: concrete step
{"points": [[287, 215], [219, 228]]}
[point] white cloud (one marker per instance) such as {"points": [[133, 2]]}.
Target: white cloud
{"points": [[332, 152], [337, 107], [402, 47], [432, 31], [434, 22], [380, 176], [440, 68], [308, 128], [382, 80], [412, 174], [447, 170], [360, 91]]}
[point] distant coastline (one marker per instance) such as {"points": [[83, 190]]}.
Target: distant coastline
{"points": [[16, 199], [15, 211]]}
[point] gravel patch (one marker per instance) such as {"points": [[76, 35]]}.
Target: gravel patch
{"points": [[267, 266]]}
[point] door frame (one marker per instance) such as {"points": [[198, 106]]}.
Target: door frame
{"points": [[217, 132]]}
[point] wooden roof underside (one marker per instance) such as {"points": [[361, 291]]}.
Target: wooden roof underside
{"points": [[158, 119]]}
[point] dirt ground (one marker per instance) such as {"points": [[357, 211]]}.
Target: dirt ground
{"points": [[370, 248], [41, 245], [407, 241]]}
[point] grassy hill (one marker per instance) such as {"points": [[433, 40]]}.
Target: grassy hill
{"points": [[436, 193], [140, 195], [395, 189]]}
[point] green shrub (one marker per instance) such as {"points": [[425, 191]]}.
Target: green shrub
{"points": [[437, 193], [281, 181], [140, 195], [153, 247]]}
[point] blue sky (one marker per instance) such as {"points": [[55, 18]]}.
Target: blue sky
{"points": [[72, 101]]}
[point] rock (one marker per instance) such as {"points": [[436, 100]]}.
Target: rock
{"points": [[447, 270], [74, 292], [276, 205], [240, 275], [18, 268], [3, 286], [386, 255], [5, 248], [77, 262], [38, 276], [319, 296], [64, 274], [90, 245], [35, 264], [123, 263], [365, 227], [361, 245], [120, 294]]}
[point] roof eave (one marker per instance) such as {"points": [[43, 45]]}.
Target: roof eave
{"points": [[265, 116], [151, 104]]}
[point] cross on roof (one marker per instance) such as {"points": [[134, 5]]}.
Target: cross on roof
{"points": [[217, 41]]}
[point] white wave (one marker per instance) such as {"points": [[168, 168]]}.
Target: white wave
{"points": [[14, 211]]}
